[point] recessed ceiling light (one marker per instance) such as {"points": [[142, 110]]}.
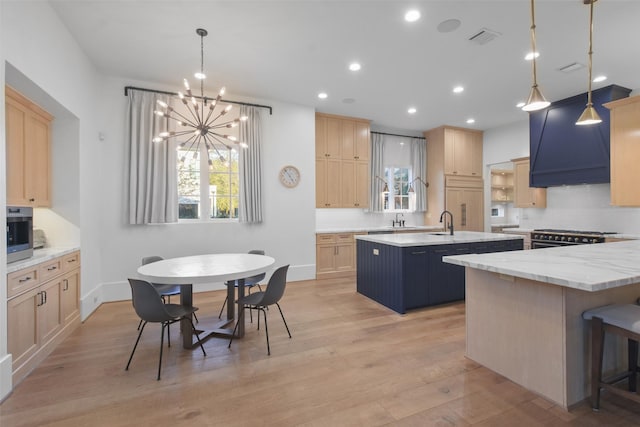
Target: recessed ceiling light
{"points": [[520, 104], [354, 66], [449, 25], [529, 56], [412, 16], [470, 121], [322, 95], [412, 110], [458, 89], [599, 79]]}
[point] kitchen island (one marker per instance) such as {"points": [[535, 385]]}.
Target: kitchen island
{"points": [[524, 313], [405, 271]]}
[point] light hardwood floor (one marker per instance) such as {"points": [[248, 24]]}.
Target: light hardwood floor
{"points": [[350, 362]]}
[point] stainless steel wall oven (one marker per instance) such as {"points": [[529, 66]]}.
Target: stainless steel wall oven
{"points": [[19, 233]]}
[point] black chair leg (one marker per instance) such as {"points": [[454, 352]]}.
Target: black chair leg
{"points": [[197, 336], [633, 364], [266, 328], [135, 346], [240, 318], [140, 324], [597, 350], [161, 345], [285, 322]]}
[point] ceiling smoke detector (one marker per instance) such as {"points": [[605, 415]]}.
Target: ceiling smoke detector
{"points": [[575, 66], [484, 36]]}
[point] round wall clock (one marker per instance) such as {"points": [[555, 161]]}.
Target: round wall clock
{"points": [[289, 176]]}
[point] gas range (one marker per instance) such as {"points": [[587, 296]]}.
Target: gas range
{"points": [[544, 238]]}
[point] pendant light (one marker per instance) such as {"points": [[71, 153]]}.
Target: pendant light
{"points": [[589, 116], [536, 100]]}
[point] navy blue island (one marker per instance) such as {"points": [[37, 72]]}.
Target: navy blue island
{"points": [[405, 271]]}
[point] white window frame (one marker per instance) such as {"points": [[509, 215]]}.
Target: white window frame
{"points": [[389, 198]]}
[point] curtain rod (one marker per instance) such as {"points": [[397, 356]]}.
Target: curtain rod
{"points": [[395, 134], [126, 93]]}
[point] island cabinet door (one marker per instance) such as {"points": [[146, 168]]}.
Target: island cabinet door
{"points": [[446, 281], [416, 291]]}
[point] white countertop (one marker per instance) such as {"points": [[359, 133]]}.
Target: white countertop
{"points": [[425, 239], [586, 267], [383, 228], [40, 255]]}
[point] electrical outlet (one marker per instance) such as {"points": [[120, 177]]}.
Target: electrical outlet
{"points": [[376, 252]]}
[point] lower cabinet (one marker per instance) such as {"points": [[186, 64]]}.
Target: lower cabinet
{"points": [[404, 278], [42, 312], [335, 255]]}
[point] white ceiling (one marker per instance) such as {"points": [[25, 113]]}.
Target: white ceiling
{"points": [[291, 50]]}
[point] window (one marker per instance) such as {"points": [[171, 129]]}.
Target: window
{"points": [[398, 198], [213, 194]]}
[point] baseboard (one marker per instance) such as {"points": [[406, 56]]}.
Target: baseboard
{"points": [[6, 382]]}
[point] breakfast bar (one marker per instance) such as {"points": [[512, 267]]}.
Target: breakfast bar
{"points": [[524, 312]]}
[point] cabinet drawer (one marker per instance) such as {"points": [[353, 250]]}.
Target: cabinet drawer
{"points": [[50, 269], [325, 238], [462, 182], [70, 262], [344, 238], [20, 281]]}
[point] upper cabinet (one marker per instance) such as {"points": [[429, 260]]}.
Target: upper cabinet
{"points": [[342, 162], [502, 185], [565, 154], [462, 151], [28, 142], [524, 195], [625, 151]]}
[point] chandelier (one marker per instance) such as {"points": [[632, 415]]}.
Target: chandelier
{"points": [[536, 100], [203, 124]]}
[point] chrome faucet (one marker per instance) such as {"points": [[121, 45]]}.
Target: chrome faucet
{"points": [[450, 227], [398, 221]]}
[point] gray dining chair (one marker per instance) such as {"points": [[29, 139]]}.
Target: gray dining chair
{"points": [[262, 300], [249, 282], [150, 308], [165, 291]]}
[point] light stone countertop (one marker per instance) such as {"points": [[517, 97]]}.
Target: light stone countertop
{"points": [[586, 267], [382, 229], [40, 255], [426, 239]]}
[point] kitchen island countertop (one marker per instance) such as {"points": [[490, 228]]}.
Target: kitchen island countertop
{"points": [[584, 267], [441, 238]]}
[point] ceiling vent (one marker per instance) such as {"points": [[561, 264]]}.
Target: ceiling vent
{"points": [[571, 67], [484, 36]]}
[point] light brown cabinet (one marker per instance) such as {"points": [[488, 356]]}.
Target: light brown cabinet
{"points": [[525, 196], [335, 255], [625, 151], [42, 309], [28, 142], [342, 162], [454, 177]]}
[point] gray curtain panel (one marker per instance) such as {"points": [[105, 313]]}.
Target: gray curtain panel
{"points": [[250, 204], [377, 169], [419, 169], [152, 194]]}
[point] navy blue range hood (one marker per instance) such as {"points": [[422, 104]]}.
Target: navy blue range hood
{"points": [[562, 153]]}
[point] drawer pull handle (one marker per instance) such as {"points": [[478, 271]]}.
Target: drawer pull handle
{"points": [[72, 260], [26, 279], [39, 294], [418, 253], [52, 268], [66, 285]]}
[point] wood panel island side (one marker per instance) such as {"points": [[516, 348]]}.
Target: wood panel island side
{"points": [[524, 313], [405, 271]]}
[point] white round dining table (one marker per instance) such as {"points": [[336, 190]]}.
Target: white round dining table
{"points": [[230, 268]]}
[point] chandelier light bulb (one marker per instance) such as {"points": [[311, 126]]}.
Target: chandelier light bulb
{"points": [[244, 145], [186, 84], [244, 118], [162, 103], [200, 76], [157, 139], [222, 91]]}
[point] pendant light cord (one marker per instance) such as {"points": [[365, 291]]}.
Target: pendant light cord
{"points": [[533, 43], [589, 103]]}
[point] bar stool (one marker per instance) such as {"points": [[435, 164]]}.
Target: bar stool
{"points": [[622, 320]]}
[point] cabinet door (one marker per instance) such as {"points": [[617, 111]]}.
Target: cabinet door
{"points": [[328, 183], [474, 141], [362, 184], [16, 117], [49, 314], [416, 292], [348, 188], [446, 281], [345, 257], [69, 301], [22, 329], [525, 196], [466, 204], [363, 142], [325, 258], [334, 138], [348, 140], [37, 169], [321, 137], [625, 152]]}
